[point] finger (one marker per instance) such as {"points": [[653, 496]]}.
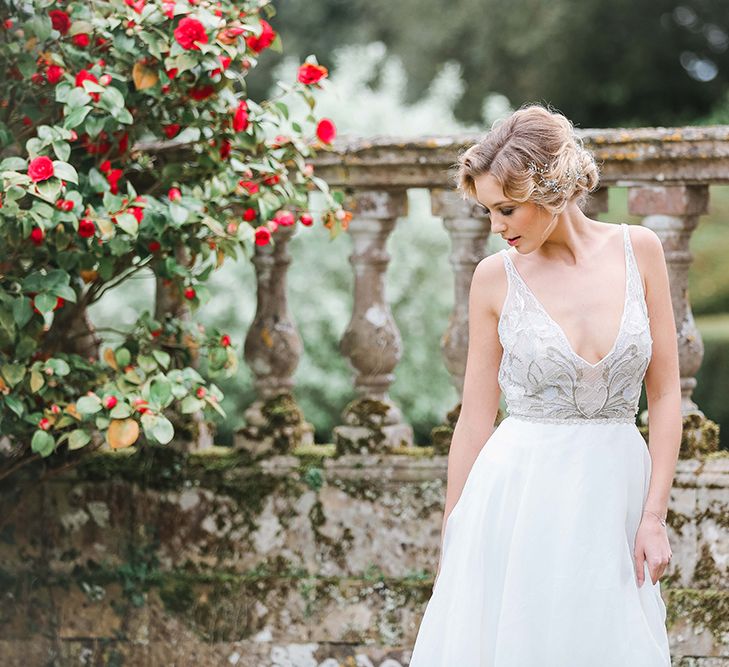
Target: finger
{"points": [[639, 560]]}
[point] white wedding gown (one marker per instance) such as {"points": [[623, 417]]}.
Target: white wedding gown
{"points": [[537, 564]]}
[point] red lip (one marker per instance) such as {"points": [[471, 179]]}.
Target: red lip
{"points": [[513, 241]]}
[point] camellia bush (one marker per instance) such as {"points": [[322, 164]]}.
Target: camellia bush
{"points": [[127, 142]]}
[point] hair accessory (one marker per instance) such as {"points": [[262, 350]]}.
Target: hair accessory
{"points": [[552, 184]]}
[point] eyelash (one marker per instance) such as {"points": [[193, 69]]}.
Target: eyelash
{"points": [[504, 211]]}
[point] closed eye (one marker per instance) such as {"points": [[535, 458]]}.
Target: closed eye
{"points": [[503, 211]]}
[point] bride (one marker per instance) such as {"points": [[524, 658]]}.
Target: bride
{"points": [[554, 534]]}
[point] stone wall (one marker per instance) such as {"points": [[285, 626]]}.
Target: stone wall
{"points": [[296, 560]]}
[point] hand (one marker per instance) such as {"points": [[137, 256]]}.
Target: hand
{"points": [[651, 544]]}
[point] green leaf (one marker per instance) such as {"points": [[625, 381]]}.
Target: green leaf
{"points": [[78, 439], [62, 150], [111, 99], [22, 311], [59, 367], [45, 302], [36, 381], [128, 223], [120, 411], [123, 116], [122, 356], [191, 404], [157, 427], [66, 292], [40, 26], [14, 164], [65, 171], [13, 373], [163, 359], [78, 97], [160, 392], [15, 404], [7, 322], [49, 189], [88, 405], [42, 443], [178, 213], [76, 117], [147, 363]]}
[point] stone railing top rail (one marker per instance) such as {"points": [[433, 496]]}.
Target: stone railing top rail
{"points": [[627, 156]]}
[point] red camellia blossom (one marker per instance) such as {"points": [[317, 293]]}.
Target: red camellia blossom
{"points": [[110, 402], [326, 131], [113, 177], [264, 40], [189, 31], [310, 73], [36, 235], [306, 219], [272, 179], [54, 73], [190, 293], [105, 166], [200, 392], [249, 214], [85, 75], [168, 9], [225, 340], [37, 78], [225, 147], [60, 302], [40, 169], [60, 20], [153, 246], [86, 228], [44, 424], [240, 117], [284, 218], [201, 92], [138, 213], [250, 186], [81, 40], [174, 194], [263, 235], [171, 130]]}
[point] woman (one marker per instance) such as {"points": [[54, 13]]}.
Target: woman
{"points": [[554, 535]]}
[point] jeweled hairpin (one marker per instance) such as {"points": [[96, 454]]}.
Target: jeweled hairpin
{"points": [[552, 184]]}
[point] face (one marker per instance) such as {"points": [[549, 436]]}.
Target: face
{"points": [[531, 223]]}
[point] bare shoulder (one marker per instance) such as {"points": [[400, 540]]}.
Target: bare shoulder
{"points": [[648, 251], [489, 283]]}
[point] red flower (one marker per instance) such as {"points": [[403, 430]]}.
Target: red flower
{"points": [[54, 73], [264, 40], [36, 235], [240, 117], [225, 61], [105, 166], [138, 213], [110, 402], [190, 293], [136, 5], [86, 228], [123, 143], [225, 340], [263, 235], [113, 177], [81, 40], [60, 20], [189, 31], [201, 92], [224, 149], [272, 179], [306, 219], [27, 121], [284, 218], [200, 392], [326, 131], [171, 73], [310, 73], [85, 75], [40, 169], [171, 130], [249, 214], [154, 246], [60, 301], [44, 424], [168, 9], [37, 78], [250, 186]]}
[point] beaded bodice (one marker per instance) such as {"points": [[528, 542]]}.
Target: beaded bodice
{"points": [[541, 376]]}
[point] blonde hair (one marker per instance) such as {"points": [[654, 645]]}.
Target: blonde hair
{"points": [[532, 135]]}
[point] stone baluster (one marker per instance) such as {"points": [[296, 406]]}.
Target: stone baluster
{"points": [[272, 349], [371, 341], [672, 212]]}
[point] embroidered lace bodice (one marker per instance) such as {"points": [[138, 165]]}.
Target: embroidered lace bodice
{"points": [[544, 379]]}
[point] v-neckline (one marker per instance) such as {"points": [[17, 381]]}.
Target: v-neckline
{"points": [[560, 329]]}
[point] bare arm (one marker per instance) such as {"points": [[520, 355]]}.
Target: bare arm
{"points": [[481, 390], [662, 380]]}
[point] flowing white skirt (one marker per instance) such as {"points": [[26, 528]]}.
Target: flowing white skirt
{"points": [[537, 567]]}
